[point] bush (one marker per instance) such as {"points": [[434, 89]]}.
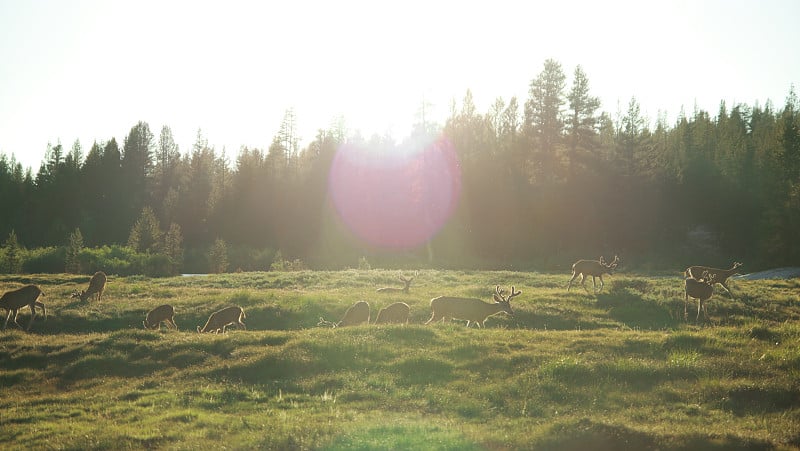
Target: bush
{"points": [[249, 259], [157, 265], [218, 256], [279, 264], [44, 260]]}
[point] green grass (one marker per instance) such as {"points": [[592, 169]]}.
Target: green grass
{"points": [[570, 370]]}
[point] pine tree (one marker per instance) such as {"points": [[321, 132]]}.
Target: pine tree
{"points": [[218, 256], [13, 254], [145, 234], [74, 248], [544, 121], [173, 247], [582, 122]]}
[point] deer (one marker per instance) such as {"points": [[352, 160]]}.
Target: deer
{"points": [[406, 285], [221, 319], [592, 268], [357, 314], [720, 275], [96, 286], [14, 300], [470, 309], [161, 314], [396, 313], [701, 289]]}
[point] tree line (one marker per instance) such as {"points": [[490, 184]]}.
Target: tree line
{"points": [[544, 180]]}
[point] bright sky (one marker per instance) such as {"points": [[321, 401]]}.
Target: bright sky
{"points": [[90, 70]]}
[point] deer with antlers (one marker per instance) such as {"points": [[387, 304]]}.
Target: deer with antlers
{"points": [[473, 310], [720, 276], [592, 268], [96, 286], [406, 285], [701, 289]]}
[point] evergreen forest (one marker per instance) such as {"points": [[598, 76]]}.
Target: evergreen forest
{"points": [[542, 181]]}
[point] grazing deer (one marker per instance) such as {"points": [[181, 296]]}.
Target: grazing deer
{"points": [[701, 289], [592, 268], [406, 285], [396, 313], [357, 314], [720, 275], [473, 310], [14, 300], [161, 314], [221, 319], [96, 286]]}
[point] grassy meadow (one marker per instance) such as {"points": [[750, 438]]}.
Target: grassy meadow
{"points": [[570, 370]]}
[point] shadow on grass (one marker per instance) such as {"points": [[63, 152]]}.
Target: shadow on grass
{"points": [[626, 303], [529, 319], [588, 435], [284, 368], [757, 400], [422, 371]]}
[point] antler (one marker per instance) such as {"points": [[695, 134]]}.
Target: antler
{"points": [[500, 293]]}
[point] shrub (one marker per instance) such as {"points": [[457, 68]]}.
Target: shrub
{"points": [[44, 260], [218, 256]]}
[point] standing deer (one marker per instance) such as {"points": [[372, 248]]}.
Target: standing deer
{"points": [[396, 313], [470, 309], [406, 285], [701, 289], [96, 286], [161, 314], [14, 300], [592, 268], [357, 314], [720, 275], [221, 319]]}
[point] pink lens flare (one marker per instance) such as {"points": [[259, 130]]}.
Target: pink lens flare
{"points": [[396, 200]]}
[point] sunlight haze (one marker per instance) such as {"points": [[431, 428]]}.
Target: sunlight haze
{"points": [[90, 70]]}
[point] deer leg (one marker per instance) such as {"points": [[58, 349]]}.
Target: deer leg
{"points": [[602, 284], [16, 314], [685, 306], [574, 276], [7, 318], [583, 280], [725, 287], [699, 307], [33, 315], [44, 310]]}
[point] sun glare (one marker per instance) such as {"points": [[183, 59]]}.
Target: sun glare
{"points": [[398, 200]]}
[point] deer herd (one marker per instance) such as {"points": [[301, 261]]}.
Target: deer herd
{"points": [[699, 282]]}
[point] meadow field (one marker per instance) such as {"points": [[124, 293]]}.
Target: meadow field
{"points": [[570, 370]]}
